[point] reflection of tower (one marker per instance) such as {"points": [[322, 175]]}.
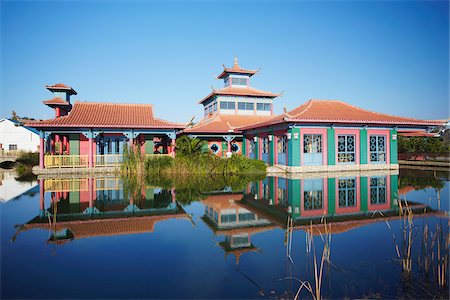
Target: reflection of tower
{"points": [[225, 216]]}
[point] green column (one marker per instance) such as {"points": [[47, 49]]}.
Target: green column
{"points": [[244, 146], [331, 147], [331, 196], [272, 188], [74, 144], [148, 144], [364, 196], [224, 148], [394, 191], [294, 147], [294, 196], [272, 150], [393, 148], [257, 148], [363, 146]]}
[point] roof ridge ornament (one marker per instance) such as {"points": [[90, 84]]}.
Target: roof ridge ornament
{"points": [[236, 62]]}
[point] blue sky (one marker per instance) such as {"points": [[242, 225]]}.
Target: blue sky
{"points": [[390, 57]]}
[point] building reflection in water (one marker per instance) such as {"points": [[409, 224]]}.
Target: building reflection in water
{"points": [[346, 200], [88, 207]]}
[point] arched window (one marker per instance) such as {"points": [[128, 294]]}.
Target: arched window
{"points": [[214, 148], [235, 148]]}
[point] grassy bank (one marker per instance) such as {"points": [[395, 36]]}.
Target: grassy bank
{"points": [[190, 159]]}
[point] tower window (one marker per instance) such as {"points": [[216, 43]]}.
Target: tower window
{"points": [[239, 81], [246, 106], [263, 106], [227, 105]]}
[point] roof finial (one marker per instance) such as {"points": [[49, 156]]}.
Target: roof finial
{"points": [[235, 61]]}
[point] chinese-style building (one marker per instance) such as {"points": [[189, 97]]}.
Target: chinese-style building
{"points": [[329, 135], [235, 105], [93, 134]]}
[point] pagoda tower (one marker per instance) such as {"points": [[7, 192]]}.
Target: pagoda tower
{"points": [[226, 109], [61, 98]]}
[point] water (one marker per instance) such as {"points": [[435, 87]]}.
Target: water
{"points": [[106, 238]]}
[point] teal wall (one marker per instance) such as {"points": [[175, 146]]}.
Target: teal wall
{"points": [[244, 146], [294, 148], [363, 146], [331, 145], [393, 148]]}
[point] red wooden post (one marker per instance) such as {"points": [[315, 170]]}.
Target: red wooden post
{"points": [[41, 197], [173, 147], [41, 153], [91, 155]]}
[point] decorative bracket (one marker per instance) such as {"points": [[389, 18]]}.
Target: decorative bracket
{"points": [[229, 138], [171, 135], [131, 134], [90, 134]]}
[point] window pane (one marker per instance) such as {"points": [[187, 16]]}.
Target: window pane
{"points": [[346, 148]]}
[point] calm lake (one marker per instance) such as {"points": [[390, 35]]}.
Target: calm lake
{"points": [[106, 237]]}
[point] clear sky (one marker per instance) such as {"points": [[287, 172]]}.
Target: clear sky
{"points": [[390, 57]]}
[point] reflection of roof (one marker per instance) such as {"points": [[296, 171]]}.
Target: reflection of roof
{"points": [[106, 227], [236, 70], [222, 201], [109, 115], [240, 91], [219, 123], [344, 226], [334, 111], [61, 87]]}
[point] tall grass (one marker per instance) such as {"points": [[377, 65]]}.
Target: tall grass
{"points": [[135, 163]]}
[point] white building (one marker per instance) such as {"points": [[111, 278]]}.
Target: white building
{"points": [[14, 136]]}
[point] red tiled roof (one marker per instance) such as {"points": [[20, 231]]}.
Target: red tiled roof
{"points": [[236, 69], [240, 91], [108, 115], [219, 123], [107, 227], [61, 87], [56, 101], [417, 133], [334, 111]]}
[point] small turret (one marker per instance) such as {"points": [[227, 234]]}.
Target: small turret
{"points": [[61, 98]]}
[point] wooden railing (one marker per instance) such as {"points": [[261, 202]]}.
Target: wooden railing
{"points": [[66, 161], [108, 160], [65, 185], [157, 155], [82, 161]]}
